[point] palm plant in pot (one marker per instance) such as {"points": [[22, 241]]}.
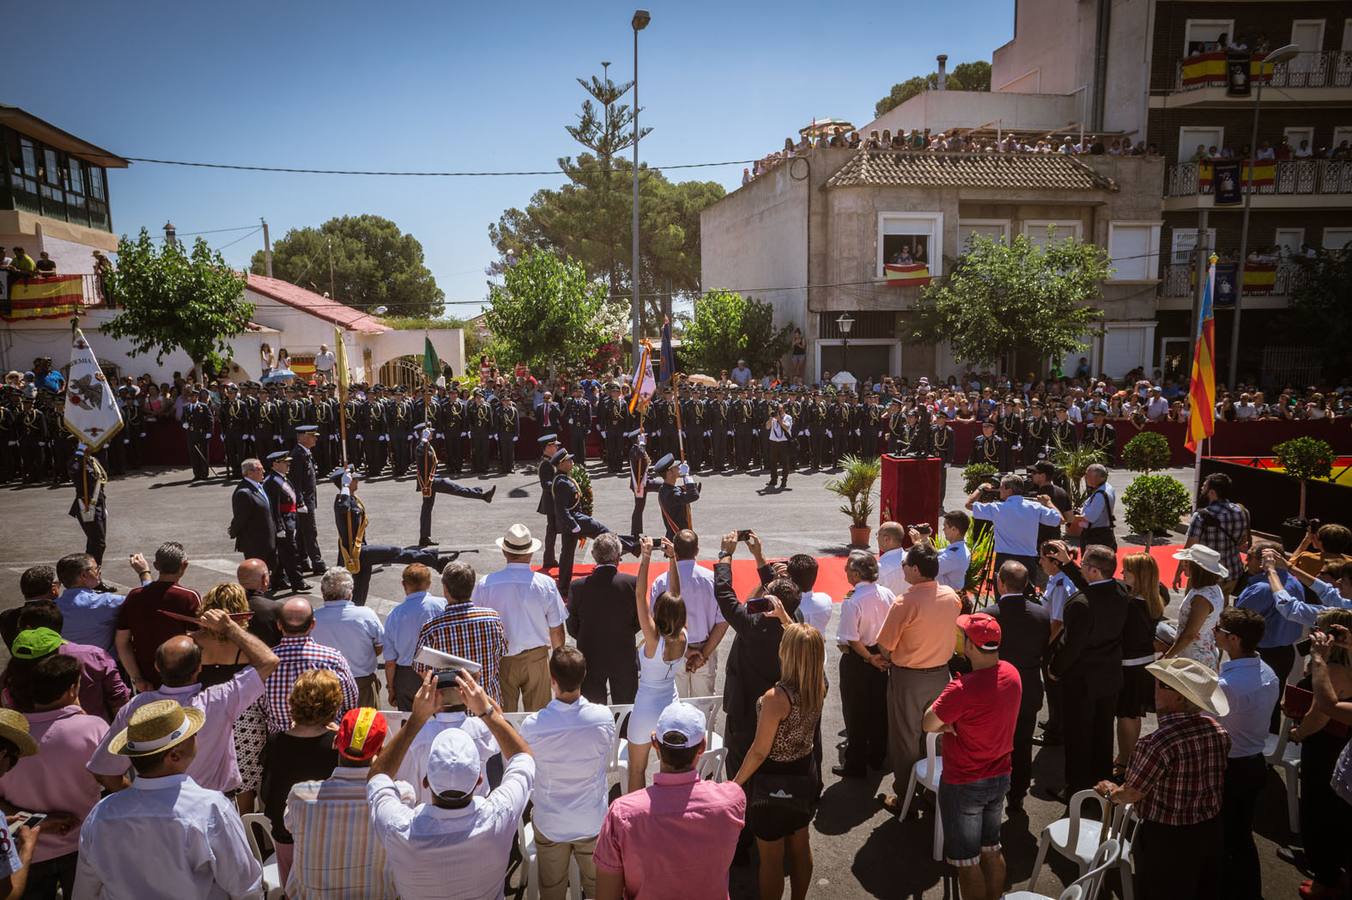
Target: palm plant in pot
{"points": [[855, 487]]}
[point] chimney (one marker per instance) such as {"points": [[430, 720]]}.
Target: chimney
{"points": [[943, 72], [170, 233]]}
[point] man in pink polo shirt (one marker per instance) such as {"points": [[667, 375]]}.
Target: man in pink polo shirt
{"points": [[673, 840]]}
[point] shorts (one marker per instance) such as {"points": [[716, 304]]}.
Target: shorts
{"points": [[972, 813]]}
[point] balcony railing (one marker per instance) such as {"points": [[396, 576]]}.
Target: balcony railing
{"points": [[1261, 279], [1293, 176], [1308, 69]]}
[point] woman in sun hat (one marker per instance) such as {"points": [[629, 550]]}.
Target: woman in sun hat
{"points": [[1202, 606]]}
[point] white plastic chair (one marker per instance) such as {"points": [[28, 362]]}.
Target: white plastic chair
{"points": [[1075, 837], [710, 766], [530, 865], [1088, 885], [1123, 830], [926, 773], [711, 706], [617, 765], [1285, 757], [272, 878]]}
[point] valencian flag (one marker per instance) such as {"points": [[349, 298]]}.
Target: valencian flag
{"points": [[432, 362], [668, 360], [49, 297], [1202, 387], [643, 382], [903, 274], [91, 413], [341, 372]]}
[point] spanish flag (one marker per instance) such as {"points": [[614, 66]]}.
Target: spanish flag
{"points": [[1260, 173], [1260, 277], [907, 274], [1202, 387], [38, 297], [1205, 69]]}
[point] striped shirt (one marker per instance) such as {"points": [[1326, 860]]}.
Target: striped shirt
{"points": [[472, 632], [298, 655], [336, 855]]}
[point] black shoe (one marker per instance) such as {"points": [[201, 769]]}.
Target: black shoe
{"points": [[301, 588], [784, 485], [770, 486], [318, 569], [844, 772], [488, 494], [427, 542]]}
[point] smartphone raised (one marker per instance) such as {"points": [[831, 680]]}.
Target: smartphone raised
{"points": [[758, 605], [744, 535]]}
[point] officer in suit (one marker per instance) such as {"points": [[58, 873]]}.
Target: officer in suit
{"points": [[989, 448], [454, 428], [430, 484], [548, 415], [234, 416], [507, 426], [676, 493], [197, 421], [479, 424], [304, 481], [1102, 436], [251, 522], [90, 506], [549, 445], [639, 463], [573, 523], [354, 553], [577, 415], [613, 415], [1037, 434], [284, 503], [716, 411], [1063, 430]]}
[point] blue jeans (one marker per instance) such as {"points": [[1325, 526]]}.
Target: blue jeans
{"points": [[972, 813]]}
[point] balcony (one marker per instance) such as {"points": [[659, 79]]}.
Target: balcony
{"points": [[1311, 78], [1273, 184], [1267, 284]]}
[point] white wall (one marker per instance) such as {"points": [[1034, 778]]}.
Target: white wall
{"points": [[945, 110]]}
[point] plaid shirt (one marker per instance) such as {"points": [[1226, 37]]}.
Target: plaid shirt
{"points": [[471, 632], [1219, 526], [297, 655], [1180, 768]]}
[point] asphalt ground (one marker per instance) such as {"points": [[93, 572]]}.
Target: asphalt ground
{"points": [[859, 850]]}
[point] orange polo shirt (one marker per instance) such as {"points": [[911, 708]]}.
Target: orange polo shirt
{"points": [[920, 627]]}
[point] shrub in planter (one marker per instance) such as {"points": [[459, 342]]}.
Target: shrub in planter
{"points": [[1155, 503], [978, 474], [1147, 452], [1305, 458]]}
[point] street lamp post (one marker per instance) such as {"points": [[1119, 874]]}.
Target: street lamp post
{"points": [[845, 323], [638, 23], [1280, 55]]}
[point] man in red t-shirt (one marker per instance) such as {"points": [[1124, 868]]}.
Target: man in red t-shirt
{"points": [[976, 714], [141, 622]]}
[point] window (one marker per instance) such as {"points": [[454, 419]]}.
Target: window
{"points": [[1190, 138], [995, 229], [1297, 134], [1308, 35], [1289, 240], [1337, 238], [96, 182], [1201, 35], [1036, 230], [1185, 242], [1342, 134], [1134, 248], [911, 239]]}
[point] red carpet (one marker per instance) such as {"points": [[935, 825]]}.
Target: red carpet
{"points": [[831, 569]]}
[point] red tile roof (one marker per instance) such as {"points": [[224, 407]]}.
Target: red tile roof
{"points": [[317, 305]]}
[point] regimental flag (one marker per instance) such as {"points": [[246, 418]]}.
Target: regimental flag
{"points": [[1202, 386], [432, 362], [668, 360], [906, 274], [643, 382], [50, 297], [341, 373], [92, 414]]}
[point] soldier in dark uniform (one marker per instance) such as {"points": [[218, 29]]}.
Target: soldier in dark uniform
{"points": [[989, 448], [284, 502], [572, 522], [549, 445], [793, 407], [31, 427], [133, 427], [90, 506], [234, 416], [676, 493], [375, 432], [355, 411], [639, 464], [742, 415], [507, 426], [297, 414], [667, 426], [841, 423], [941, 447], [1009, 425], [283, 426], [265, 436], [716, 411], [869, 425], [613, 416], [816, 417], [304, 481], [401, 432], [326, 417], [197, 421], [1037, 434], [354, 553], [1063, 430], [60, 442], [576, 414], [914, 436], [896, 429], [9, 434], [1102, 436], [692, 422], [479, 424], [430, 484], [254, 411], [454, 428]]}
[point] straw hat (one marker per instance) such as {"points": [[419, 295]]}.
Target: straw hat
{"points": [[1193, 680], [1204, 557], [14, 728], [518, 540], [155, 727]]}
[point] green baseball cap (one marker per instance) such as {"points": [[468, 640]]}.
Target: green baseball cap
{"points": [[35, 643]]}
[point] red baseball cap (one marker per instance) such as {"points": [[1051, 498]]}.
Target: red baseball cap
{"points": [[361, 734], [982, 630]]}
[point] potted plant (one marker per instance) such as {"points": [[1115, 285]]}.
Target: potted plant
{"points": [[977, 474], [1155, 503], [1305, 458], [1074, 461], [855, 486], [1147, 452]]}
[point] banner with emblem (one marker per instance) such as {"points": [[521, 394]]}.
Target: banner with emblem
{"points": [[92, 414]]}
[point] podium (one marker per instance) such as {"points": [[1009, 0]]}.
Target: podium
{"points": [[910, 490]]}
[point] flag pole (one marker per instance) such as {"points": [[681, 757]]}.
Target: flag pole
{"points": [[344, 374]]}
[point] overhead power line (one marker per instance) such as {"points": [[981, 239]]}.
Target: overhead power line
{"points": [[297, 170]]}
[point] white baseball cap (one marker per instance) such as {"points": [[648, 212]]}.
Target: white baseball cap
{"points": [[679, 726], [453, 763]]}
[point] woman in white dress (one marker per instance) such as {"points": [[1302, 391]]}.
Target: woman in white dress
{"points": [[660, 657], [1201, 608]]}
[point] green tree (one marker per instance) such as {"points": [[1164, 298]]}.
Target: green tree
{"points": [[726, 327], [968, 76], [999, 296], [172, 298], [546, 313], [1319, 301], [374, 264]]}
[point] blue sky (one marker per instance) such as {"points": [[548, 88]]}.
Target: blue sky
{"points": [[446, 86]]}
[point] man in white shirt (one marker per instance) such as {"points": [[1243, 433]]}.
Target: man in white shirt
{"points": [[324, 363], [453, 714], [571, 740], [741, 374], [1156, 408], [354, 631], [863, 671], [533, 615], [194, 836], [458, 844], [778, 432], [955, 557], [891, 555], [815, 607], [704, 624]]}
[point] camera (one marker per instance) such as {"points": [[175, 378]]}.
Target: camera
{"points": [[758, 605], [922, 528], [744, 535], [989, 494]]}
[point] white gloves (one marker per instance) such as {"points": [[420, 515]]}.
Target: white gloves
{"points": [[684, 470]]}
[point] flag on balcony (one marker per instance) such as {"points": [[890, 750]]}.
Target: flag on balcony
{"points": [[906, 274], [1202, 385], [1263, 173], [91, 413], [50, 297], [643, 382], [1212, 69]]}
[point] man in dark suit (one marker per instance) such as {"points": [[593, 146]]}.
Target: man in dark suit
{"points": [[285, 503], [1025, 628], [603, 620], [1087, 660], [549, 445], [251, 523], [359, 557], [304, 481]]}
